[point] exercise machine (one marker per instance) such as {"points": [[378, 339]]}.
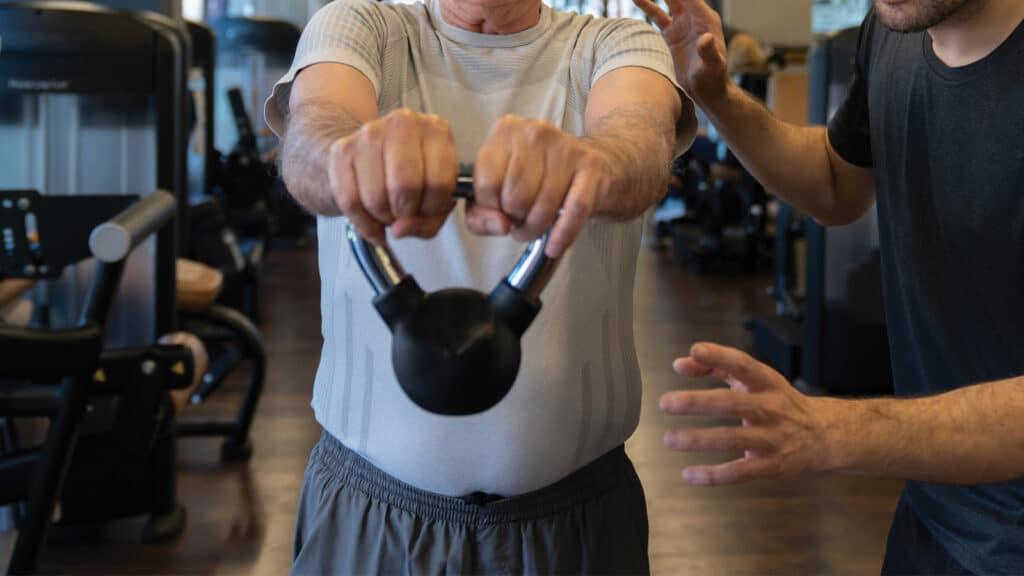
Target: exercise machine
{"points": [[104, 432], [77, 125]]}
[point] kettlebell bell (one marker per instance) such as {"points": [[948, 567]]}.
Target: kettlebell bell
{"points": [[455, 352]]}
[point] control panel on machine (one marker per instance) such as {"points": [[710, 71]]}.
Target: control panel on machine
{"points": [[27, 219]]}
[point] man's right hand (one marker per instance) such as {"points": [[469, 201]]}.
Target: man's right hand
{"points": [[398, 171], [694, 34]]}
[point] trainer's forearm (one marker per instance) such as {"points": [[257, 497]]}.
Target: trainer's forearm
{"points": [[312, 128], [790, 161], [638, 142], [973, 435]]}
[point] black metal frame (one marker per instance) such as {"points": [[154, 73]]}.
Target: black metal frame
{"points": [[28, 373], [238, 340]]}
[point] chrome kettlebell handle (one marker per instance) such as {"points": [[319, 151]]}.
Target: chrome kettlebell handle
{"points": [[383, 270]]}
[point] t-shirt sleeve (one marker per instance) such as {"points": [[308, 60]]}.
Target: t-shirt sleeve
{"points": [[849, 131], [351, 32], [626, 42]]}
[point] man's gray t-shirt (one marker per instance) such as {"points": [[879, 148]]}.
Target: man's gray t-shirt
{"points": [[578, 391]]}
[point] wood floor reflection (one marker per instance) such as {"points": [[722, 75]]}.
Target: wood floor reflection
{"points": [[240, 517]]}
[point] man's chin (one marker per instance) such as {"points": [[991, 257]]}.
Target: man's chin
{"points": [[899, 18], [918, 15]]}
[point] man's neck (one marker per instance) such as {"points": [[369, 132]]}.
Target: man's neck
{"points": [[491, 16], [979, 28]]}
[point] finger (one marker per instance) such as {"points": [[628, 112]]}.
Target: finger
{"points": [[370, 178], [739, 365], [576, 211], [545, 210], [489, 174], [654, 12], [735, 439], [690, 368], [553, 190], [441, 168], [719, 403], [432, 226], [523, 179], [677, 7], [342, 179], [403, 164], [742, 470], [418, 226], [707, 48], [485, 221]]}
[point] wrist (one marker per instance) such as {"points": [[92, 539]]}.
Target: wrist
{"points": [[842, 429], [718, 98]]}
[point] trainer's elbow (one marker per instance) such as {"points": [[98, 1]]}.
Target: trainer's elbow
{"points": [[841, 212]]}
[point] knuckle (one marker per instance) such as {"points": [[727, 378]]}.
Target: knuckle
{"points": [[579, 207], [348, 203], [507, 122], [377, 204], [402, 115], [537, 130], [370, 132], [437, 123], [344, 148], [516, 205], [682, 439]]}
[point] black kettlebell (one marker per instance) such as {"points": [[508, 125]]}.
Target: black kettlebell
{"points": [[455, 352]]}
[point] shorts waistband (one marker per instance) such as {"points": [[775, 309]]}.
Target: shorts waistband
{"points": [[346, 468]]}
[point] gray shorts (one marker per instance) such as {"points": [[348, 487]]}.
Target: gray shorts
{"points": [[355, 519]]}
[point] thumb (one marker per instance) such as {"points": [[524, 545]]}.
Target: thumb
{"points": [[485, 221], [707, 49]]}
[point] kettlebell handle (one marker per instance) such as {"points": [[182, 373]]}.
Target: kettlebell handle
{"points": [[383, 270]]}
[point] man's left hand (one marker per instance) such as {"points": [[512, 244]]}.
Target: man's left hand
{"points": [[784, 433], [527, 171]]}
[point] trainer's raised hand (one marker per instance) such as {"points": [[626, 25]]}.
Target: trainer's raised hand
{"points": [[783, 432], [694, 33]]}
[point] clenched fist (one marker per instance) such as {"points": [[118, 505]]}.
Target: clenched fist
{"points": [[530, 177], [398, 171]]}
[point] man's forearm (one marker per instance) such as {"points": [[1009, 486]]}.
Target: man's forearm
{"points": [[312, 128], [638, 142], [791, 162], [972, 435]]}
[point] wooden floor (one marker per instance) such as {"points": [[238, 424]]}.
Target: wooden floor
{"points": [[241, 516]]}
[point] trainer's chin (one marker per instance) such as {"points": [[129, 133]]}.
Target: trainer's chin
{"points": [[902, 15]]}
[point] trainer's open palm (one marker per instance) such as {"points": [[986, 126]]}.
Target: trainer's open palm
{"points": [[694, 34]]}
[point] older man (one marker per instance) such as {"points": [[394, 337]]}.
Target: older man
{"points": [[559, 113], [933, 124]]}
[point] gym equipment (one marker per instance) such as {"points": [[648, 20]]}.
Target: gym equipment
{"points": [[226, 328], [835, 340], [42, 236], [455, 352], [230, 217], [252, 54], [71, 123]]}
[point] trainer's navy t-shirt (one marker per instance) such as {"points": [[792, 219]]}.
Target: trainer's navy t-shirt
{"points": [[947, 147]]}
